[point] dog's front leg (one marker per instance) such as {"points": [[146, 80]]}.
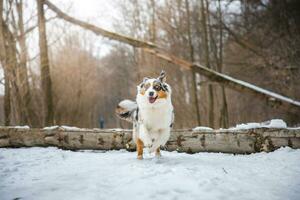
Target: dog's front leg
{"points": [[139, 148], [141, 140]]}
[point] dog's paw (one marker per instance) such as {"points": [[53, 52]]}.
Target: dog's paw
{"points": [[157, 154], [140, 157]]}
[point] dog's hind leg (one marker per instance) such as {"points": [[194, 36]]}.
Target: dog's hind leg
{"points": [[157, 152], [139, 148]]}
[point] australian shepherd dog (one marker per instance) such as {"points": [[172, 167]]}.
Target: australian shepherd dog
{"points": [[151, 114]]}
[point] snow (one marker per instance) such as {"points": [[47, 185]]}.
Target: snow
{"points": [[50, 127], [71, 128], [64, 127], [117, 129], [277, 123], [202, 128], [51, 173], [274, 123], [22, 127]]}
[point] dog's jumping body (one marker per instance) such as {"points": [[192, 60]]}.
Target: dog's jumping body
{"points": [[152, 114]]}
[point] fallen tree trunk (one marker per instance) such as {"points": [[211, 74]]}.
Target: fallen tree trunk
{"points": [[227, 141]]}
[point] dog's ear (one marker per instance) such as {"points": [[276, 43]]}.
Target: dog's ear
{"points": [[162, 77], [145, 79]]}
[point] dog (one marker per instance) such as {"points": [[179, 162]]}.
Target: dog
{"points": [[152, 114]]}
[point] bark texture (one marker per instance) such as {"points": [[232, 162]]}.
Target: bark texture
{"points": [[44, 64], [26, 95], [4, 61], [227, 141]]}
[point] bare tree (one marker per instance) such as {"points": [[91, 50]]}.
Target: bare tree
{"points": [[224, 121], [192, 58], [23, 75], [44, 65], [3, 57], [207, 62]]}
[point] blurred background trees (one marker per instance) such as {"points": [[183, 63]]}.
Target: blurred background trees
{"points": [[68, 82]]}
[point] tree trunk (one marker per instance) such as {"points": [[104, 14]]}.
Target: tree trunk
{"points": [[226, 141], [3, 59], [192, 58], [23, 76], [224, 120], [207, 63], [153, 20], [217, 50], [11, 67], [44, 64]]}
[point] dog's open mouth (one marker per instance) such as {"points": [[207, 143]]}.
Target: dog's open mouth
{"points": [[152, 99]]}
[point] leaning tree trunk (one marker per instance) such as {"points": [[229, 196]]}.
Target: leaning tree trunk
{"points": [[44, 65]]}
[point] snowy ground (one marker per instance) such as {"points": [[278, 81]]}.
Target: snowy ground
{"points": [[51, 173]]}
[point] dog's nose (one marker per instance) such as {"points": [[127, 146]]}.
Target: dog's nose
{"points": [[151, 94]]}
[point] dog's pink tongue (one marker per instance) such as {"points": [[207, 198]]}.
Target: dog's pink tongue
{"points": [[152, 99]]}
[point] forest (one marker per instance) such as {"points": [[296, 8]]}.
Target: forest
{"points": [[59, 69]]}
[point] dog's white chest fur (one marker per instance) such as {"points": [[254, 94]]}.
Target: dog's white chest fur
{"points": [[156, 118]]}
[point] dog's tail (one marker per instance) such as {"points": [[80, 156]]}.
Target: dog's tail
{"points": [[127, 110]]}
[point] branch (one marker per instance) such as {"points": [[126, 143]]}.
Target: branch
{"points": [[28, 30], [99, 31], [243, 43]]}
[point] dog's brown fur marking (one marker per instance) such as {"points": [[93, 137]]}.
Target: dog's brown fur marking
{"points": [[120, 109], [139, 148], [162, 94], [144, 88]]}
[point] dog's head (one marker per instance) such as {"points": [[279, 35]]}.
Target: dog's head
{"points": [[154, 90]]}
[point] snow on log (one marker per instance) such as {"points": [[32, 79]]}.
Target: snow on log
{"points": [[272, 98], [190, 141]]}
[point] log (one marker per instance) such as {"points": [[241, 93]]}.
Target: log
{"points": [[189, 141]]}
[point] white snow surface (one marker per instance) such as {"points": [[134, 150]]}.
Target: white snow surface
{"points": [[71, 128], [50, 127], [274, 123], [51, 173], [22, 127], [202, 128]]}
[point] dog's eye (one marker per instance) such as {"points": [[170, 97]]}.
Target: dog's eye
{"points": [[157, 87], [165, 87]]}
